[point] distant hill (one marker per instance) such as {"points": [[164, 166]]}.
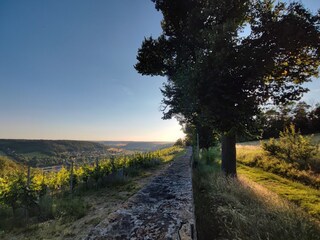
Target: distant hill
{"points": [[38, 153], [48, 147], [43, 153], [137, 146]]}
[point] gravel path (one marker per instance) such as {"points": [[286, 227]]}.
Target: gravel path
{"points": [[163, 209]]}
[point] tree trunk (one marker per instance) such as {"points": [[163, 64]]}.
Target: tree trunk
{"points": [[205, 134], [228, 155]]}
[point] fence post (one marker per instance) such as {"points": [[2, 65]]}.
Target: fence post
{"points": [[71, 177], [28, 178], [28, 188], [97, 162]]}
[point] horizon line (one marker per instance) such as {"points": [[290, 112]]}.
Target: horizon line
{"points": [[44, 139]]}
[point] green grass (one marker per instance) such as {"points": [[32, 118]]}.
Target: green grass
{"points": [[230, 209], [305, 197], [255, 157]]}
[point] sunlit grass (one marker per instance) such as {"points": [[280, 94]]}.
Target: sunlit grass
{"points": [[305, 197], [231, 209], [254, 156]]}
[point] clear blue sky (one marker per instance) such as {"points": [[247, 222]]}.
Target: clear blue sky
{"points": [[66, 71]]}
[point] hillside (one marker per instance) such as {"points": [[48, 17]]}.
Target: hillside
{"points": [[137, 146], [49, 147], [55, 213], [38, 153], [42, 153]]}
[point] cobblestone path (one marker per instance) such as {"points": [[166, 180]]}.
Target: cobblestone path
{"points": [[163, 209]]}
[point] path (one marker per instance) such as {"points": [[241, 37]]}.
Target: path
{"points": [[163, 209]]}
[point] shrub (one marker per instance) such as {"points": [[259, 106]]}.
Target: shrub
{"points": [[292, 147], [209, 155], [70, 208], [5, 214], [272, 147], [46, 207]]}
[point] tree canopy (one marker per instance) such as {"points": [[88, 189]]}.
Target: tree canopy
{"points": [[218, 76]]}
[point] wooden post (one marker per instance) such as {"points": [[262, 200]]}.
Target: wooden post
{"points": [[97, 162], [28, 177], [71, 177], [28, 188], [112, 165]]}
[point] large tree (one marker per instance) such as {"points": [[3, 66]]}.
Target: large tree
{"points": [[217, 75]]}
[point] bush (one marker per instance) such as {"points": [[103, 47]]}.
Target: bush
{"points": [[5, 214], [46, 207], [70, 208], [292, 147], [209, 155]]}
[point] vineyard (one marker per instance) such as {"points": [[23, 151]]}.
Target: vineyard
{"points": [[35, 194]]}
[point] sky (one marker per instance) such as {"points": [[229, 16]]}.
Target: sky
{"points": [[66, 71]]}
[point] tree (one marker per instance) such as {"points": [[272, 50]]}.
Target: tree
{"points": [[219, 78], [315, 118], [301, 118], [275, 119], [179, 143]]}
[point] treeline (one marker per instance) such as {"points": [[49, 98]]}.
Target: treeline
{"points": [[26, 193], [268, 123], [305, 118]]}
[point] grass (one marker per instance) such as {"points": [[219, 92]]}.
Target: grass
{"points": [[230, 209], [300, 187], [71, 208], [170, 157], [254, 156], [305, 197]]}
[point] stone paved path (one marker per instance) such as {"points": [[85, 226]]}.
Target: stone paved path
{"points": [[163, 209]]}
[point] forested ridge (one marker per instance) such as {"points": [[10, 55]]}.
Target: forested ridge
{"points": [[50, 147]]}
